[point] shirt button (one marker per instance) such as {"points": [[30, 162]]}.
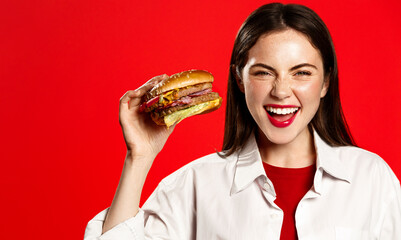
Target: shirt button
{"points": [[266, 186]]}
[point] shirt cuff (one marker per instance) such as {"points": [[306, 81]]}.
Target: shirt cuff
{"points": [[132, 228]]}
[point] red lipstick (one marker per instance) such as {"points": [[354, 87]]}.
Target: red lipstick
{"points": [[282, 124]]}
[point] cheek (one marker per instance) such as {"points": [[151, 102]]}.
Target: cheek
{"points": [[308, 91], [255, 96], [254, 91]]}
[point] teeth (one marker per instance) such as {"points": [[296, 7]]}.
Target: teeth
{"points": [[281, 111]]}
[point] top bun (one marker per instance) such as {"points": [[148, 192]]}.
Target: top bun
{"points": [[180, 80]]}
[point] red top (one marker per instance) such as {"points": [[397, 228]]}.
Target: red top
{"points": [[291, 185]]}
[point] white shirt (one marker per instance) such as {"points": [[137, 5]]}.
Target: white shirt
{"points": [[355, 195]]}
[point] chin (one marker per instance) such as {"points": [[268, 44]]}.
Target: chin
{"points": [[278, 137]]}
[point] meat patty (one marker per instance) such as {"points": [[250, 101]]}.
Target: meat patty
{"points": [[192, 89], [181, 92]]}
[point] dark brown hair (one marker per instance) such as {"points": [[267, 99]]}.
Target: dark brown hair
{"points": [[329, 121]]}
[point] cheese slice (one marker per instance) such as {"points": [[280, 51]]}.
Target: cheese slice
{"points": [[178, 116]]}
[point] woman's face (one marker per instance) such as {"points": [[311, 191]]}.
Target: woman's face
{"points": [[283, 82]]}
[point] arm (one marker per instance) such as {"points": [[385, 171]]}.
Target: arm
{"points": [[126, 199], [144, 140], [168, 213]]}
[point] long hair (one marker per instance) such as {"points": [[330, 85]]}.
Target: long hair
{"points": [[329, 121]]}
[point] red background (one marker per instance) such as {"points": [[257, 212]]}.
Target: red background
{"points": [[65, 64]]}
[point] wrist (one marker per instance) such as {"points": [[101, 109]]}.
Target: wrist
{"points": [[138, 161], [135, 170]]}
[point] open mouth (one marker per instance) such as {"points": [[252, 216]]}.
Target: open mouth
{"points": [[281, 116]]}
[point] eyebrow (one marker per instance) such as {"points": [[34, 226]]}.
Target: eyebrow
{"points": [[293, 68]]}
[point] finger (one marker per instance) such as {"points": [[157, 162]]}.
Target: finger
{"points": [[129, 95], [145, 88], [157, 79], [151, 83], [133, 97], [137, 93]]}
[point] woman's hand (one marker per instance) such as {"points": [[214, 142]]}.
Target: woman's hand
{"points": [[144, 139]]}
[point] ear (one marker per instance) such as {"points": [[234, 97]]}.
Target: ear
{"points": [[237, 75], [325, 86]]}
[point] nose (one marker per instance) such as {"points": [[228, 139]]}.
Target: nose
{"points": [[281, 88]]}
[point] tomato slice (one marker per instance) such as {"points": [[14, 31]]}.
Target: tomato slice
{"points": [[152, 101], [148, 104]]}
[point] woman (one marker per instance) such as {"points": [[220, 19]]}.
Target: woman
{"points": [[289, 168]]}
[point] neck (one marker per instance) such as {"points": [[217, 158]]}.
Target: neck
{"points": [[296, 154]]}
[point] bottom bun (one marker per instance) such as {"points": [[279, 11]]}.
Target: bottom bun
{"points": [[180, 115]]}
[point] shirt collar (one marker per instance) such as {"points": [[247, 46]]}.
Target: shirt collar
{"points": [[249, 164], [329, 159], [248, 167]]}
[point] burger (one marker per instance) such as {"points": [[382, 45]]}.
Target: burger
{"points": [[180, 96]]}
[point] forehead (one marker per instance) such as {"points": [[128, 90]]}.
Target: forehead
{"points": [[287, 47]]}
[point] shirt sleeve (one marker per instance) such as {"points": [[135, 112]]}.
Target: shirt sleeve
{"points": [[167, 214], [130, 229], [391, 223]]}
